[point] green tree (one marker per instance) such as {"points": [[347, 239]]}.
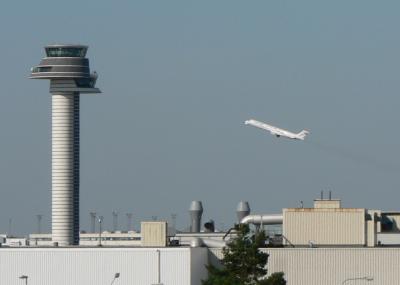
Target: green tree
{"points": [[243, 263], [275, 279]]}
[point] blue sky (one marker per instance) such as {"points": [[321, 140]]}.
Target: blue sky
{"points": [[178, 79]]}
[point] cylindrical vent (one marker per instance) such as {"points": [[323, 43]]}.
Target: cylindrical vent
{"points": [[65, 169], [242, 210], [209, 227], [196, 242], [195, 210]]}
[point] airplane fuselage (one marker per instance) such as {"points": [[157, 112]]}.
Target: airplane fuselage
{"points": [[278, 132]]}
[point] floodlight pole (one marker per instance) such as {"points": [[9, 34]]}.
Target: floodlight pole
{"points": [[100, 229], [24, 277], [115, 277]]}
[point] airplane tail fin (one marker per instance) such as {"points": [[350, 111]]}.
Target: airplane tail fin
{"points": [[302, 134]]}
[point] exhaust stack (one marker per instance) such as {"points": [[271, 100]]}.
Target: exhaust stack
{"points": [[242, 210], [195, 210]]}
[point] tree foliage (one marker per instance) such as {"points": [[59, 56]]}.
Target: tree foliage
{"points": [[275, 279], [243, 262]]}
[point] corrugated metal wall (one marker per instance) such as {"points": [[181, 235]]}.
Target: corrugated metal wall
{"points": [[154, 233], [389, 238], [94, 266], [327, 266], [324, 226], [331, 266]]}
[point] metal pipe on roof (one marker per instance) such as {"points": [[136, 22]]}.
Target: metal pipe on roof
{"points": [[198, 242], [267, 219]]}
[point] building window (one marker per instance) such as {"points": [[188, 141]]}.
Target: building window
{"points": [[66, 51], [41, 69]]}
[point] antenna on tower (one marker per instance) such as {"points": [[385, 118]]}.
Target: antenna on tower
{"points": [[173, 218], [9, 226], [92, 222], [115, 220], [39, 223], [128, 222]]}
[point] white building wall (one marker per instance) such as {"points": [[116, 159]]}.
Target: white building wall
{"points": [[187, 238], [92, 239], [199, 260], [14, 242], [331, 266], [94, 266], [389, 239]]}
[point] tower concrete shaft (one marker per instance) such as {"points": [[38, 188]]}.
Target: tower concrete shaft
{"points": [[65, 168]]}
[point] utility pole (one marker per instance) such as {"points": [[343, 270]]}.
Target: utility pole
{"points": [[100, 219], [24, 277]]}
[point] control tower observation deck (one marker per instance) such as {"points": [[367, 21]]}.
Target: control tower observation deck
{"points": [[68, 70]]}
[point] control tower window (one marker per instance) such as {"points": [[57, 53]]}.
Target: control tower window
{"points": [[66, 51], [41, 69]]}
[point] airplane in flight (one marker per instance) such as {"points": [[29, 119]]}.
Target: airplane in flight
{"points": [[277, 131]]}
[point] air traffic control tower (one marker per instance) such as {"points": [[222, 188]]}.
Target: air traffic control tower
{"points": [[68, 70]]}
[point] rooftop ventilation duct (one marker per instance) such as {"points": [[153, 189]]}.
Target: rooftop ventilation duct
{"points": [[242, 210], [209, 227], [195, 210], [275, 219], [199, 242]]}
